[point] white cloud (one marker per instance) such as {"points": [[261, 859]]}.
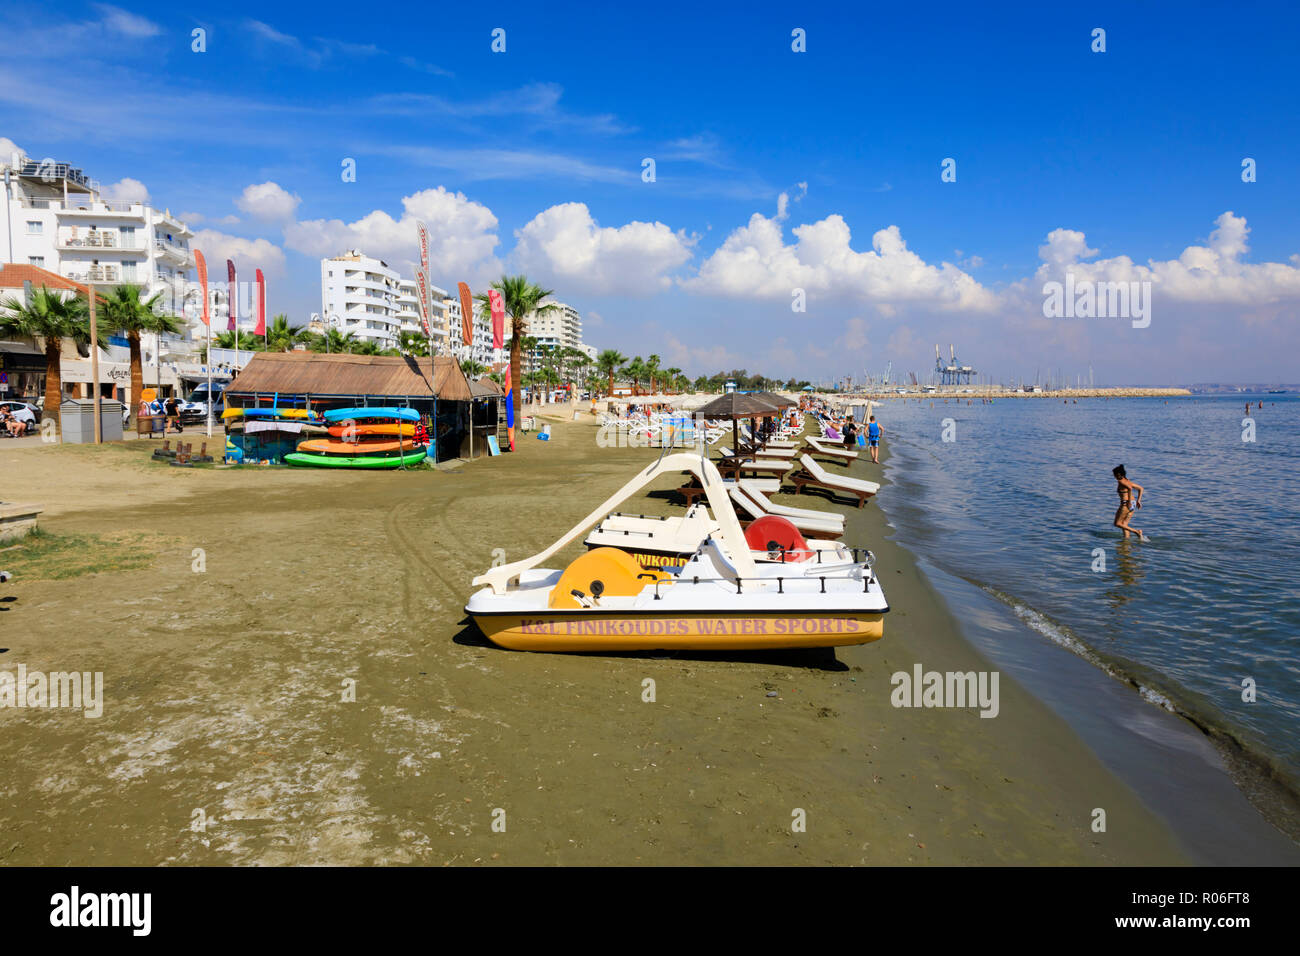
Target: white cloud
{"points": [[249, 254], [565, 246], [462, 237], [8, 148], [194, 218], [268, 202], [129, 190], [755, 262], [128, 24], [1208, 274]]}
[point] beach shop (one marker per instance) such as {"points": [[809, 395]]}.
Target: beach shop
{"points": [[435, 387]]}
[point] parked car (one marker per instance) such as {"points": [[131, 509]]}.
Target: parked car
{"points": [[195, 406], [13, 405]]}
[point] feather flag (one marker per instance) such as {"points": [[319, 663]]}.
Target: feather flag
{"points": [[232, 295], [498, 318], [510, 411], [260, 328], [422, 298], [422, 275], [201, 266], [466, 313]]}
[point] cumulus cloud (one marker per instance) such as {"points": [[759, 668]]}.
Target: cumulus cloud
{"points": [[462, 236], [249, 254], [268, 202], [129, 190], [1213, 273], [756, 262], [8, 148], [565, 246], [125, 23], [193, 218]]}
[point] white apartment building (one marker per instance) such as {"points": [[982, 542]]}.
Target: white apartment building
{"points": [[408, 313], [57, 219], [359, 294], [559, 328]]}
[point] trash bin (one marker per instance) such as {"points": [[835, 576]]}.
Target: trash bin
{"points": [[77, 420]]}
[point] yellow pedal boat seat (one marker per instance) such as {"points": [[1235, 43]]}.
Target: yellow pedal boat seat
{"points": [[601, 572]]}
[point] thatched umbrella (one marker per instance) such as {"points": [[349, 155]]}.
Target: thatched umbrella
{"points": [[735, 406]]}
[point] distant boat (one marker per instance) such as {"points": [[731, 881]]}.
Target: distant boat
{"points": [[1277, 391]]}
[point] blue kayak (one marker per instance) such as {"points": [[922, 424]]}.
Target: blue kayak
{"points": [[368, 414]]}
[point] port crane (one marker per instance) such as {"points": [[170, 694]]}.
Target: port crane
{"points": [[953, 373]]}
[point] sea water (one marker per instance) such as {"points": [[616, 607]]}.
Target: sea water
{"points": [[1017, 498]]}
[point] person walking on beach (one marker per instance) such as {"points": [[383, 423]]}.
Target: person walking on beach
{"points": [[1129, 501], [174, 413], [873, 439]]}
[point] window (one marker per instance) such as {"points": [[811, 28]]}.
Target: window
{"points": [[35, 227], [128, 271], [38, 261]]}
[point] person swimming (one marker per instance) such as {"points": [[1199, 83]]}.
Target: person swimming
{"points": [[1128, 502]]}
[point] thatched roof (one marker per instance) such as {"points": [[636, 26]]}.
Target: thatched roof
{"points": [[325, 374], [735, 405], [486, 388], [772, 398]]}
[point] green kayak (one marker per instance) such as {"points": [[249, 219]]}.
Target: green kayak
{"points": [[362, 461]]}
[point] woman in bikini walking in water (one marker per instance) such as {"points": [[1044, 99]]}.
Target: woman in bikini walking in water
{"points": [[1130, 499]]}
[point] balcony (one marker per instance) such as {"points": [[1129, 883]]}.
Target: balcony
{"points": [[172, 250], [97, 242], [97, 274], [120, 208]]}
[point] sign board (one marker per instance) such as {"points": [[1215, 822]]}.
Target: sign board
{"points": [[494, 448]]}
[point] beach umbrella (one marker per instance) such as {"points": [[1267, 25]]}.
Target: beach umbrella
{"points": [[735, 406]]}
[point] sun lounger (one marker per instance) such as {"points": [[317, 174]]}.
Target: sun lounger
{"points": [[815, 475], [810, 526], [750, 487], [830, 451]]}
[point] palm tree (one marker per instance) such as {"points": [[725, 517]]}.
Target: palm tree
{"points": [[636, 371], [472, 369], [672, 378], [366, 347], [281, 336], [521, 298], [52, 318], [125, 310], [652, 370], [413, 343], [332, 341], [610, 361]]}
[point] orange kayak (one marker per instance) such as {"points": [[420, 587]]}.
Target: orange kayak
{"points": [[354, 449], [341, 431]]}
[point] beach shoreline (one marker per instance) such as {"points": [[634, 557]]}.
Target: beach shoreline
{"points": [[223, 695]]}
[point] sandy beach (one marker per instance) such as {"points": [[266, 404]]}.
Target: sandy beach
{"points": [[225, 737]]}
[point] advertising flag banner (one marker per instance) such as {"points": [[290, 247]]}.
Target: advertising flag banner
{"points": [[422, 298], [232, 295], [201, 266], [260, 328], [498, 318], [510, 411], [466, 313]]}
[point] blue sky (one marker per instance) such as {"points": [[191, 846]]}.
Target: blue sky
{"points": [[1110, 165]]}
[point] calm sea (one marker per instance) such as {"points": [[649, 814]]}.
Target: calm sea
{"points": [[1020, 502]]}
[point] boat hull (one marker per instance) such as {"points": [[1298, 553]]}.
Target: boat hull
{"points": [[615, 631]]}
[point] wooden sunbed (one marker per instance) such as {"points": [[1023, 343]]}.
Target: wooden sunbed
{"points": [[813, 527], [830, 451], [815, 475]]}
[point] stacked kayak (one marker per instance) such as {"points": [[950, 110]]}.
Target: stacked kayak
{"points": [[364, 438], [268, 434]]}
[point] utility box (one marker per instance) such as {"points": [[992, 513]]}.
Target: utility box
{"points": [[77, 420]]}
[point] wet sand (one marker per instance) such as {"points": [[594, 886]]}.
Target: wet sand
{"points": [[225, 739]]}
